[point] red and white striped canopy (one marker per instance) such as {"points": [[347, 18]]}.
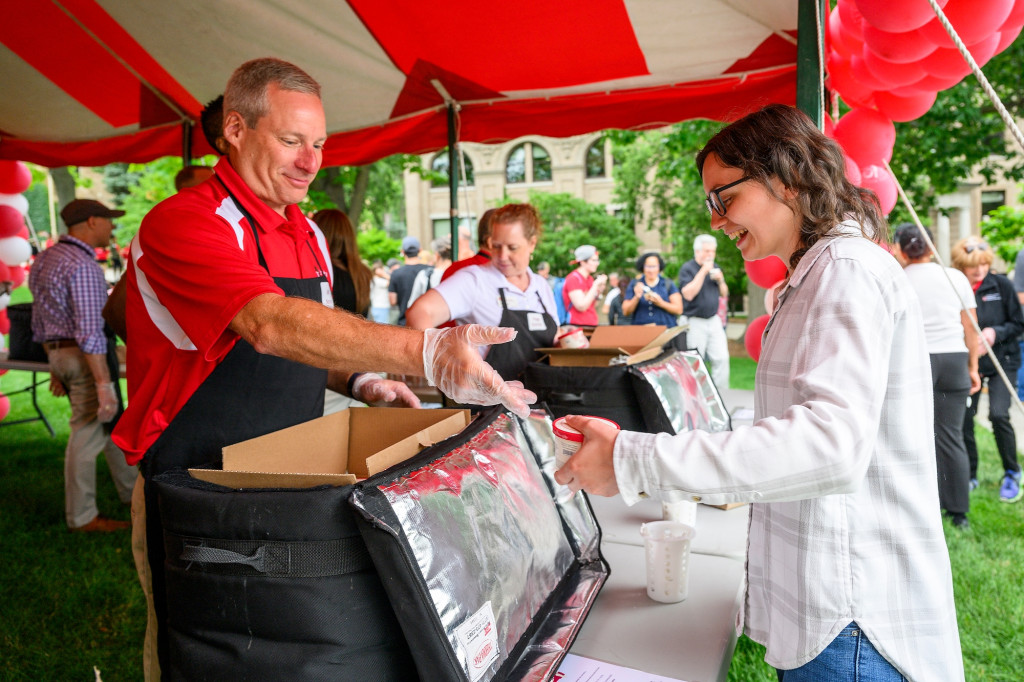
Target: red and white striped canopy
{"points": [[88, 82]]}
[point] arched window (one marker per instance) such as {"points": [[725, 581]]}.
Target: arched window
{"points": [[595, 159], [439, 166], [538, 169], [515, 168], [541, 164]]}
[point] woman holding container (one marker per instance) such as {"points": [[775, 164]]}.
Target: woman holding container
{"points": [[504, 291], [847, 568], [651, 298]]}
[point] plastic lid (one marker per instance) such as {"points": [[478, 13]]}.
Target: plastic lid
{"points": [[563, 430]]}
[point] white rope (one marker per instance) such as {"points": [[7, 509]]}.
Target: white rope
{"points": [[985, 85], [1010, 387]]}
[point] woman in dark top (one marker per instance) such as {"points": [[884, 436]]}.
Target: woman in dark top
{"points": [[651, 298], [351, 276]]}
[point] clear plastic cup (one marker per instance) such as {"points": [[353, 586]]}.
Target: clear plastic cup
{"points": [[667, 549], [683, 511], [568, 440]]}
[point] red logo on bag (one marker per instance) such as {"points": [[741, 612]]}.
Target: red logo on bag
{"points": [[482, 655]]}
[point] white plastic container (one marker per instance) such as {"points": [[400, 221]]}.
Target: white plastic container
{"points": [[683, 511], [667, 550], [568, 440]]}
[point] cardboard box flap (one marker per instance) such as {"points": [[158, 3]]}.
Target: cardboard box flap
{"points": [[629, 338], [431, 433], [260, 479], [319, 446]]}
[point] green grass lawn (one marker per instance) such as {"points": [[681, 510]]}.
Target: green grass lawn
{"points": [[71, 603]]}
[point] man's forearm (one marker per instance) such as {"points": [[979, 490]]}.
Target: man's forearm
{"points": [[98, 366], [308, 332]]}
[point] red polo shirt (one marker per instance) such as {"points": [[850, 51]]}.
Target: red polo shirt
{"points": [[193, 266]]}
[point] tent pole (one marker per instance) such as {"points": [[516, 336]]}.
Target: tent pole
{"points": [[810, 36], [186, 143], [453, 180]]}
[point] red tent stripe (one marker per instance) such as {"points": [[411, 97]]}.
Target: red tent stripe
{"points": [[526, 44], [118, 41], [75, 63]]}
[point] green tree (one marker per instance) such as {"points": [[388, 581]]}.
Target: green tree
{"points": [[1003, 228], [570, 222], [375, 244]]}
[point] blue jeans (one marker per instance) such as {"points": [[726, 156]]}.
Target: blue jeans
{"points": [[849, 658]]}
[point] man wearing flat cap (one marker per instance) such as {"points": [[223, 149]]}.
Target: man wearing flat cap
{"points": [[68, 292]]}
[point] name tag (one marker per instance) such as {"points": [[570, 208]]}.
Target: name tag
{"points": [[535, 322], [325, 295]]}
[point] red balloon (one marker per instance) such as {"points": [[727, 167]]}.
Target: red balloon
{"points": [[5, 272], [828, 127], [860, 71], [972, 20], [5, 324], [904, 108], [948, 62], [5, 406], [878, 180], [937, 83], [866, 136], [852, 22], [903, 15], [1007, 36], [837, 41], [11, 221], [766, 271], [752, 337], [1016, 18], [853, 92], [896, 75], [15, 177], [17, 275], [852, 170], [898, 47]]}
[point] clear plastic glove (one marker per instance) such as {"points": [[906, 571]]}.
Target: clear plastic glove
{"points": [[108, 402], [374, 390], [452, 363]]}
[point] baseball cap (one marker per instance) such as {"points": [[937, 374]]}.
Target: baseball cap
{"points": [[410, 246], [585, 252], [80, 210]]}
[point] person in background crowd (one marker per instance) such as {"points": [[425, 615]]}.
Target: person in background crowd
{"points": [[431, 277], [612, 307], [1018, 284], [191, 176], [582, 289], [351, 289], [701, 283], [211, 118], [848, 575], [68, 292], [1001, 322], [948, 307], [502, 291], [544, 270], [651, 298], [483, 254], [234, 334], [380, 303], [403, 278]]}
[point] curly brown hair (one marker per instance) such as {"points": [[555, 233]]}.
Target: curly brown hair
{"points": [[782, 141]]}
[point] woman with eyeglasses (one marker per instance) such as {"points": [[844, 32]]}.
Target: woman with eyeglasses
{"points": [[949, 311], [848, 575], [651, 298], [1001, 323]]}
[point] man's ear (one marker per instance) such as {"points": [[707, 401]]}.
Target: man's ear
{"points": [[234, 124]]}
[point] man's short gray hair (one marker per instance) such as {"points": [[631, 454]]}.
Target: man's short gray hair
{"points": [[246, 91], [703, 240]]}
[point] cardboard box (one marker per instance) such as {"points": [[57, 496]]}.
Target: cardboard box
{"points": [[337, 449], [639, 342]]}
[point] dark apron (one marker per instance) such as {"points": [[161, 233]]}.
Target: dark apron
{"points": [[510, 359], [248, 394]]}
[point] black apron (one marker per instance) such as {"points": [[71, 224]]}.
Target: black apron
{"points": [[248, 394], [510, 359]]}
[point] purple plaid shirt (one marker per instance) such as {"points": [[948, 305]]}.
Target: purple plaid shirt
{"points": [[68, 292]]}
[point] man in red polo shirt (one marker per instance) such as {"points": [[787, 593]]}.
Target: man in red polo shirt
{"points": [[229, 307]]}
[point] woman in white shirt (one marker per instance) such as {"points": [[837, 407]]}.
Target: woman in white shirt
{"points": [[953, 353], [848, 575], [380, 304], [504, 292]]}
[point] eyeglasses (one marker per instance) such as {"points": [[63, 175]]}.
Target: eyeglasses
{"points": [[714, 199], [971, 248]]}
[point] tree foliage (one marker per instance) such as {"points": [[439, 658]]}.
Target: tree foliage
{"points": [[570, 222], [1004, 230]]}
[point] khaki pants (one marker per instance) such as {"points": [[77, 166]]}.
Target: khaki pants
{"points": [[150, 660]]}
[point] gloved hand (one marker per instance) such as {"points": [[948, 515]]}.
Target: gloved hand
{"points": [[108, 402], [373, 390], [452, 363]]}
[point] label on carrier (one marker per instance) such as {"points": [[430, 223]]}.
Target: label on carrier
{"points": [[479, 637]]}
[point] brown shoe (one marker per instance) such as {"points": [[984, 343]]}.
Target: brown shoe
{"points": [[102, 524]]}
